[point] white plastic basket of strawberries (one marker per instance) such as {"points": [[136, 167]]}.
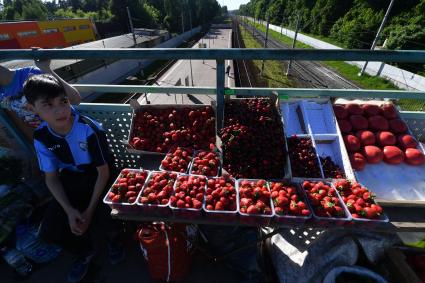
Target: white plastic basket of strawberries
{"points": [[123, 194]]}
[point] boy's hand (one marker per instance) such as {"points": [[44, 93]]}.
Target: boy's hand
{"points": [[75, 220], [43, 65], [87, 216]]}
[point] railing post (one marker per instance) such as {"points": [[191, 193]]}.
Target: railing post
{"points": [[220, 94]]}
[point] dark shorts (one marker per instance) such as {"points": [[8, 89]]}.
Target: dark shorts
{"points": [[55, 226]]}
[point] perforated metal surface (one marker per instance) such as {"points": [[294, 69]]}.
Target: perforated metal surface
{"points": [[116, 120]]}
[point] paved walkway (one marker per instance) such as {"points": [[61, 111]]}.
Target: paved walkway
{"points": [[204, 73]]}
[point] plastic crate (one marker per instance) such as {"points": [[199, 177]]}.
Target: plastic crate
{"points": [[138, 108], [287, 218], [188, 213], [254, 219], [153, 209], [222, 215], [124, 206]]}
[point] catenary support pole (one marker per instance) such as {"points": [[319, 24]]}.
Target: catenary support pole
{"points": [[265, 42], [378, 33], [220, 94], [182, 23], [294, 42], [131, 26]]}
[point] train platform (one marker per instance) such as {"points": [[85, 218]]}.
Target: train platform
{"points": [[199, 73]]}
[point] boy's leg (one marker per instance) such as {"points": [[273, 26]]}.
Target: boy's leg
{"points": [[112, 229], [55, 225], [55, 229]]}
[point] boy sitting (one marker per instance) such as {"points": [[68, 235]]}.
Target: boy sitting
{"points": [[72, 151]]}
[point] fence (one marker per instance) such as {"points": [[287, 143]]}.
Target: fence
{"points": [[116, 118]]}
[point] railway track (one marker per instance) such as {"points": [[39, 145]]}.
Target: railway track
{"points": [[150, 81], [241, 65], [309, 74]]}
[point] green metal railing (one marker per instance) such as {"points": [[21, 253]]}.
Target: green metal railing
{"points": [[220, 55]]}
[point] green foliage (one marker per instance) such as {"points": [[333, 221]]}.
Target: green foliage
{"points": [[145, 13], [348, 71], [358, 27], [24, 10], [350, 23], [325, 13], [166, 13], [102, 15], [407, 29]]}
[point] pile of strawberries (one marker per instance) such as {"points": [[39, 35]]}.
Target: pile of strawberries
{"points": [[287, 200], [177, 160], [375, 133], [221, 194], [252, 139], [206, 163], [254, 197], [128, 186], [159, 188], [331, 169], [324, 199], [303, 158], [358, 199], [189, 192], [158, 130]]}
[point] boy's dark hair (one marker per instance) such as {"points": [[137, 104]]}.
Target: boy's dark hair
{"points": [[42, 86]]}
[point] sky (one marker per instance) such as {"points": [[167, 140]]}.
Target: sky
{"points": [[232, 4]]}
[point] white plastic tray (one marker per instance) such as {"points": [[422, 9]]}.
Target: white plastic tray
{"points": [[293, 118], [315, 117], [393, 183], [320, 117], [330, 145]]}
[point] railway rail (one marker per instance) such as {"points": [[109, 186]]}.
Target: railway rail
{"points": [[307, 73]]}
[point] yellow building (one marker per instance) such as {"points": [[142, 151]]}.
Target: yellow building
{"points": [[75, 31]]}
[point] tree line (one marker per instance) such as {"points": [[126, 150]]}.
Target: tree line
{"points": [[165, 14], [351, 23]]}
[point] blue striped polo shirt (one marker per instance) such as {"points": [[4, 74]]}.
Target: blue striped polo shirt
{"points": [[83, 149]]}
